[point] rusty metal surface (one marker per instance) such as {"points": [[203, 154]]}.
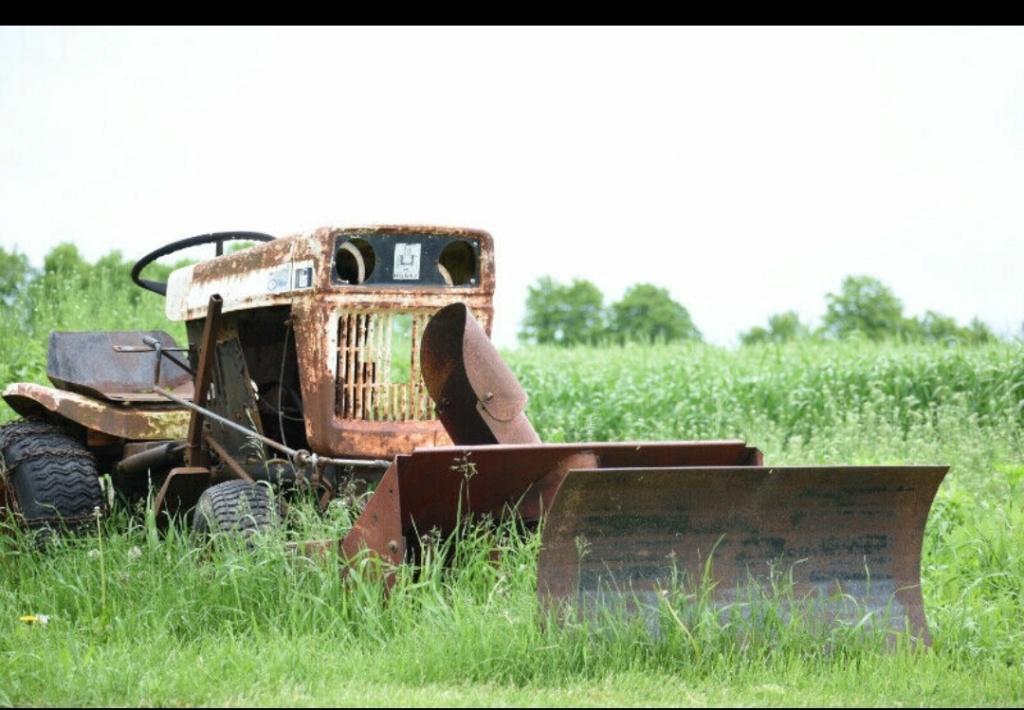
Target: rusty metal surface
{"points": [[344, 342], [241, 277], [336, 426], [341, 335], [366, 390], [378, 529], [226, 459], [180, 491], [115, 365], [479, 400], [207, 353], [431, 488], [262, 275], [849, 538], [149, 459], [135, 423]]}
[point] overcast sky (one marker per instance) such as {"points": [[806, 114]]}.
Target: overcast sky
{"points": [[748, 170]]}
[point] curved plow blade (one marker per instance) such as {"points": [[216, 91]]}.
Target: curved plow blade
{"points": [[843, 541]]}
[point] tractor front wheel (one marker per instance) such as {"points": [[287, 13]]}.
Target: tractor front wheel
{"points": [[236, 507]]}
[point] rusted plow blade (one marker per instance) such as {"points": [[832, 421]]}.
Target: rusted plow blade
{"points": [[843, 541]]}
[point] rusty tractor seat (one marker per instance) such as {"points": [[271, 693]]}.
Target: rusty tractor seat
{"points": [[120, 366]]}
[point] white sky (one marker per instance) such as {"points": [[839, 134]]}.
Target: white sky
{"points": [[748, 170]]}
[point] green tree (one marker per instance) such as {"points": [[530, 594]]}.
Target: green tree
{"points": [[113, 270], [979, 333], [15, 275], [782, 328], [934, 327], [564, 315], [864, 305], [937, 328], [647, 312], [64, 260]]}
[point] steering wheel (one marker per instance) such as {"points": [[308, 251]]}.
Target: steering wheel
{"points": [[217, 238]]}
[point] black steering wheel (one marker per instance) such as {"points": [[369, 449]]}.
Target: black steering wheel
{"points": [[217, 238]]}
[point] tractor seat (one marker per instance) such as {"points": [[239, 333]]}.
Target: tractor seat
{"points": [[119, 366]]}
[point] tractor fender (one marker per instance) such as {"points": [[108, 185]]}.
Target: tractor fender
{"points": [[133, 424]]}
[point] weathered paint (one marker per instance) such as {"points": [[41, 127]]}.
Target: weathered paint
{"points": [[151, 424], [435, 488], [244, 279], [844, 541], [479, 400], [123, 366], [263, 276], [350, 410]]}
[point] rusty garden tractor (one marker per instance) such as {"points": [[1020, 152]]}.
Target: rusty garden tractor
{"points": [[363, 354]]}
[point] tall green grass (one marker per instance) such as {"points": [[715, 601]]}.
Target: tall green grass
{"points": [[135, 618], [795, 391]]}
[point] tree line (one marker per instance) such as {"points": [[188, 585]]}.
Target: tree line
{"points": [[575, 314], [864, 307]]}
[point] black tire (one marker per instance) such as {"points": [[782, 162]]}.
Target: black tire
{"points": [[52, 474], [236, 507]]}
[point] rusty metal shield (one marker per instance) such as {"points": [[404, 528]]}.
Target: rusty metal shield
{"points": [[477, 397], [434, 489], [843, 542]]}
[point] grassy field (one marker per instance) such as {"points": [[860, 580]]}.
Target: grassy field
{"points": [[133, 617]]}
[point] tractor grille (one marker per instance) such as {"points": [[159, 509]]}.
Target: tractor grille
{"points": [[379, 376]]}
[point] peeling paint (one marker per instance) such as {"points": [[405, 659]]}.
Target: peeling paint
{"points": [[127, 423]]}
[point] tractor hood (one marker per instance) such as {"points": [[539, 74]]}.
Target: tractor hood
{"points": [[407, 265]]}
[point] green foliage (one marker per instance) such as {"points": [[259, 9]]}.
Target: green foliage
{"points": [[15, 273], [782, 328], [564, 315], [866, 308], [575, 315], [647, 313], [864, 305], [798, 391], [937, 328]]}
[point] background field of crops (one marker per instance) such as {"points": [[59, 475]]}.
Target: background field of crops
{"points": [[138, 618]]}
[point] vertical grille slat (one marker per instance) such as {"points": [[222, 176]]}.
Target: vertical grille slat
{"points": [[359, 381]]}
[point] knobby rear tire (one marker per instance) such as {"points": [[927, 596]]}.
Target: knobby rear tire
{"points": [[52, 474]]}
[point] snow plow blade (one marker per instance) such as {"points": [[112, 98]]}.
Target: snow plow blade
{"points": [[844, 542]]}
